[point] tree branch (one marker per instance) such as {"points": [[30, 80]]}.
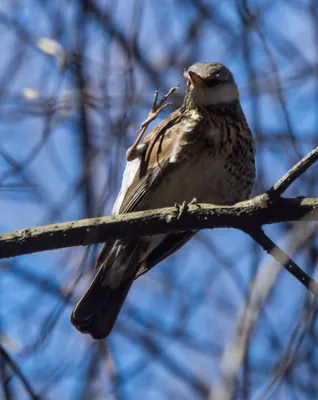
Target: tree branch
{"points": [[248, 216], [282, 258], [298, 169], [16, 370], [251, 213]]}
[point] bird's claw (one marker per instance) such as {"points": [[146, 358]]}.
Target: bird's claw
{"points": [[194, 202], [184, 207], [136, 150], [181, 208]]}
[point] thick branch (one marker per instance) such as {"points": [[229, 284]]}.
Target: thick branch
{"points": [[245, 215]]}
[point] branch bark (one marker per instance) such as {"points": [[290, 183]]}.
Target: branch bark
{"points": [[255, 212], [298, 169], [283, 259]]}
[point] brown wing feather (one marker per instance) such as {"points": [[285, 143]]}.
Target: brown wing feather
{"points": [[170, 244], [153, 163]]}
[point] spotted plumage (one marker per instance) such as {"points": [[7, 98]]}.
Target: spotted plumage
{"points": [[203, 150]]}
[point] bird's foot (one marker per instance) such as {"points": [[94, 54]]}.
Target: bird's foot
{"points": [[156, 108], [184, 207], [181, 208], [194, 202]]}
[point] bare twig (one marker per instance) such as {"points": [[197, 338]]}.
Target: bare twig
{"points": [[15, 368], [292, 350], [233, 356], [156, 108], [283, 184], [282, 258]]}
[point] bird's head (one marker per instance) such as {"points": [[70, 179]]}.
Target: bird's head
{"points": [[210, 84]]}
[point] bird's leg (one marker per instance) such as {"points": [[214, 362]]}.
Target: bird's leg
{"points": [[181, 209], [137, 150], [184, 207]]}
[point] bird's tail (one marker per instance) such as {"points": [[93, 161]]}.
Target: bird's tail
{"points": [[97, 310]]}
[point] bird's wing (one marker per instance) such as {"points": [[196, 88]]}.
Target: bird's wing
{"points": [[141, 173], [149, 171], [169, 245], [139, 176]]}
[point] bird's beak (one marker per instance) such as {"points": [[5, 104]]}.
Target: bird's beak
{"points": [[196, 80]]}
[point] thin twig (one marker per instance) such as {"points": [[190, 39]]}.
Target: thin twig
{"points": [[289, 356], [283, 184], [19, 373], [259, 291], [282, 258]]}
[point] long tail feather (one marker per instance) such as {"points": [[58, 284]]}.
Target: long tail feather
{"points": [[98, 309]]}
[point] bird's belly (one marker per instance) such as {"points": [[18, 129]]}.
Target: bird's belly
{"points": [[207, 179]]}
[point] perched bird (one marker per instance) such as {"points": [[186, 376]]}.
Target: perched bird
{"points": [[203, 150]]}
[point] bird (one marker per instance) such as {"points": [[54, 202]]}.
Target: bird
{"points": [[204, 150]]}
